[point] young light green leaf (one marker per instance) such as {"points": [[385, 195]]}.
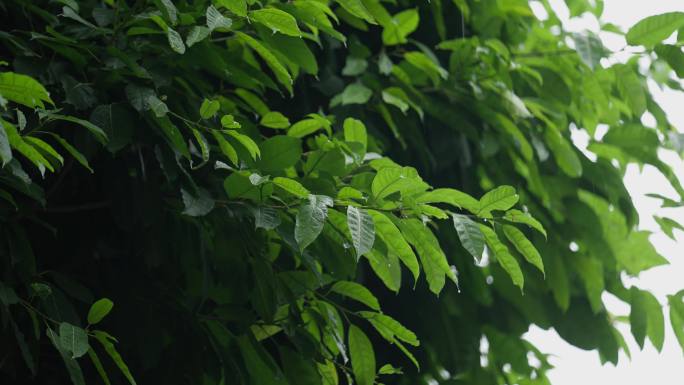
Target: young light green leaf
{"points": [[355, 131], [390, 234], [470, 235], [402, 25], [362, 230], [99, 310], [654, 29], [358, 9], [277, 21], [73, 339], [355, 93], [246, 142], [518, 216], [677, 316], [23, 89], [503, 256], [310, 219], [292, 186], [274, 119], [109, 347], [227, 149], [389, 369], [238, 7], [667, 225], [362, 356], [450, 196], [356, 292], [501, 198], [397, 179], [305, 127], [209, 108], [524, 246]]}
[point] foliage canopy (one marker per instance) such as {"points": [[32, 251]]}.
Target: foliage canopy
{"points": [[319, 192]]}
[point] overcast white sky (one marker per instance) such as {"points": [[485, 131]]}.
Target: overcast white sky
{"points": [[574, 366]]}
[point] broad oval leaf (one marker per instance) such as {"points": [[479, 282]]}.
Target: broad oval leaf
{"points": [[73, 339], [310, 219], [279, 152], [292, 186], [99, 310]]}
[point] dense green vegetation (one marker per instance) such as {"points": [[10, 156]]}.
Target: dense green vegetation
{"points": [[319, 192]]}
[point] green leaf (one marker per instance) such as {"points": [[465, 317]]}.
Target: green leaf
{"points": [[431, 254], [425, 64], [109, 347], [310, 219], [501, 198], [396, 97], [227, 149], [175, 41], [196, 35], [291, 186], [73, 151], [266, 218], [97, 132], [450, 196], [677, 316], [271, 60], [518, 216], [358, 9], [524, 246], [638, 254], [667, 225], [305, 127], [362, 356], [98, 366], [564, 153], [402, 25], [216, 20], [503, 256], [646, 318], [73, 339], [277, 21], [71, 364], [44, 148], [470, 235], [389, 369], [279, 152], [5, 149], [173, 136], [24, 90], [389, 328], [246, 142], [197, 204], [362, 230], [355, 131], [356, 292], [209, 108], [355, 93], [397, 179], [274, 119], [654, 29], [99, 310], [238, 7], [396, 244]]}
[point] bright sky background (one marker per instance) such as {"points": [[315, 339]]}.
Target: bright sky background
{"points": [[574, 366]]}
